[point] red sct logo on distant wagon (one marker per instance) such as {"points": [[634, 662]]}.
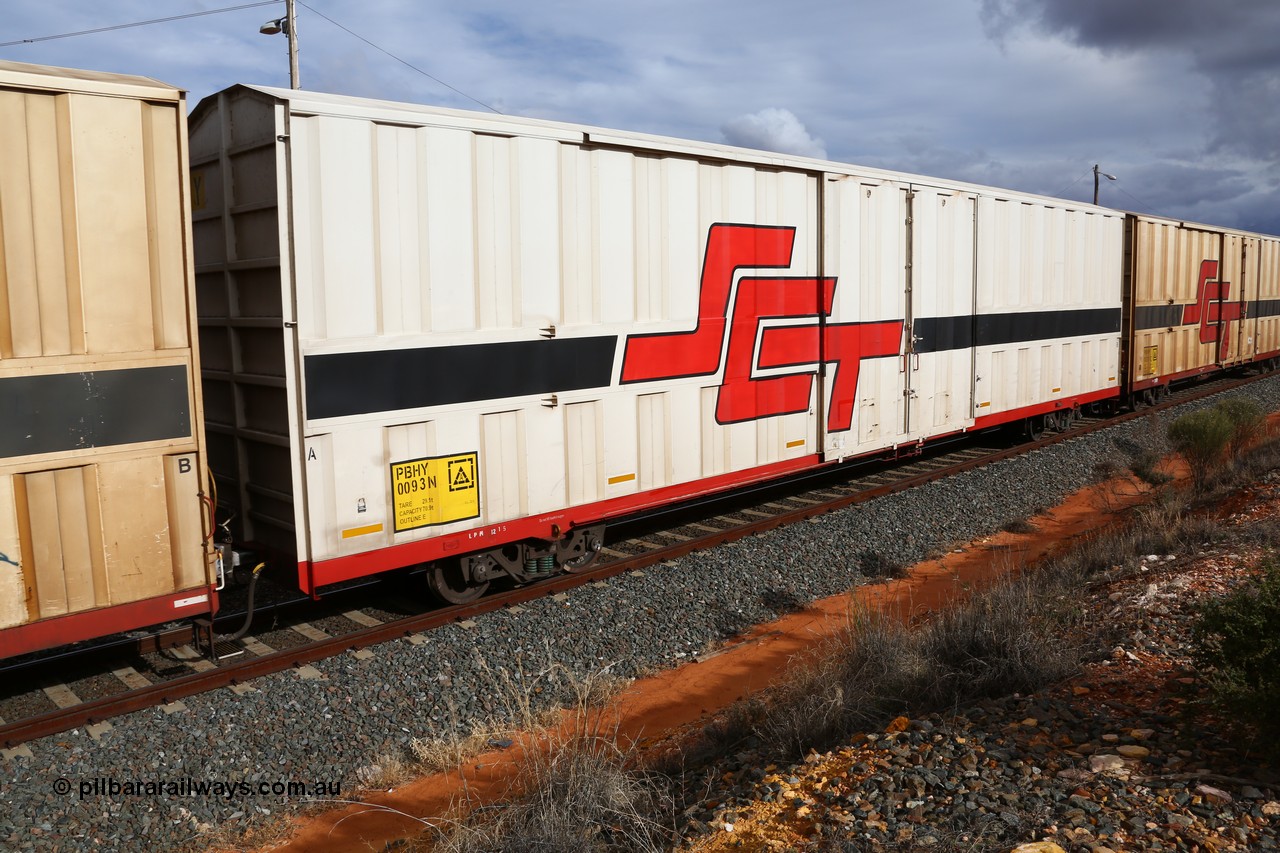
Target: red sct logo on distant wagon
{"points": [[1211, 308], [763, 333]]}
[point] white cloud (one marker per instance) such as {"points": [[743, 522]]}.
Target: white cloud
{"points": [[773, 129]]}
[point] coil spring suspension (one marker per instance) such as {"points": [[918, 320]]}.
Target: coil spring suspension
{"points": [[540, 565]]}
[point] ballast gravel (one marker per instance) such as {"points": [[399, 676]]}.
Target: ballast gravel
{"points": [[157, 781]]}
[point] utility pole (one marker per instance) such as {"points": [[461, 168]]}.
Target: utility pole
{"points": [[289, 26], [295, 80], [1096, 173]]}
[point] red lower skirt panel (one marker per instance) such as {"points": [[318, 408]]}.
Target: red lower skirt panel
{"points": [[314, 575], [1202, 370], [88, 624], [1012, 415], [1174, 377]]}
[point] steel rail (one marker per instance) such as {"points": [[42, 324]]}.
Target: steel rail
{"points": [[154, 640], [96, 711]]}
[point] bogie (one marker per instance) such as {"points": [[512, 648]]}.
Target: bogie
{"points": [[464, 579]]}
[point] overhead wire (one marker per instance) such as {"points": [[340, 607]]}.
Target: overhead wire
{"points": [[1146, 205], [1059, 193], [310, 8], [114, 27], [1149, 207], [350, 32]]}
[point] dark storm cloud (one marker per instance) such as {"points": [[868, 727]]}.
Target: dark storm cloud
{"points": [[1108, 24], [1235, 44], [1166, 184], [1174, 96]]}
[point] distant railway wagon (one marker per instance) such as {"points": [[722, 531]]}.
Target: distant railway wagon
{"points": [[467, 342], [1198, 299], [102, 466]]}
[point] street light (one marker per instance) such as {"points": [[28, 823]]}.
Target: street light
{"points": [[289, 26], [1096, 174]]}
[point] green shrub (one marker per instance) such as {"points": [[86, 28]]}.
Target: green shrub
{"points": [[1247, 423], [1237, 639], [1202, 437]]}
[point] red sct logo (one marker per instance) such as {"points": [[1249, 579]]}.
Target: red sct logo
{"points": [[1211, 309], [762, 333]]}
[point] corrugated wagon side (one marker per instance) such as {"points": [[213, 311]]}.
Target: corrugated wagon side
{"points": [[1199, 299], [464, 340], [101, 452], [415, 322]]}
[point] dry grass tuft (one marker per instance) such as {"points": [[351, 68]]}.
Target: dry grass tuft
{"points": [[1018, 525], [1018, 636], [576, 791]]}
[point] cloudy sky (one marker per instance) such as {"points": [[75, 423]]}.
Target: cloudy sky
{"points": [[1178, 98]]}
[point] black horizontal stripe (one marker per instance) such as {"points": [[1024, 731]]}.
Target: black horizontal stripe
{"points": [[938, 334], [359, 383], [1157, 316], [54, 413], [995, 329], [1264, 308]]}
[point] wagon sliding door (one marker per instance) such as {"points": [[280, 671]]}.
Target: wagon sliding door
{"points": [[1236, 287], [1266, 310], [864, 249], [939, 375]]}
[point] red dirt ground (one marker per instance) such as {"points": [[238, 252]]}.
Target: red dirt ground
{"points": [[652, 709]]}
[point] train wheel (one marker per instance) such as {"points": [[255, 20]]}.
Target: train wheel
{"points": [[582, 549], [447, 583], [1034, 427], [580, 563]]}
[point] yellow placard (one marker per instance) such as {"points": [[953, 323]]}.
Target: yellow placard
{"points": [[435, 490], [1149, 357], [199, 199]]}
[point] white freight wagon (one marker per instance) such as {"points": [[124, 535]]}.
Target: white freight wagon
{"points": [[101, 451], [467, 340]]}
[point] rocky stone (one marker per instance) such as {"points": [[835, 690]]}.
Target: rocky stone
{"points": [[1213, 795], [1106, 762]]}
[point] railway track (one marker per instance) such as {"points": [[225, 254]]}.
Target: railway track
{"points": [[161, 669]]}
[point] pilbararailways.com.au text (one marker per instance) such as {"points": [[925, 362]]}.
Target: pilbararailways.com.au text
{"points": [[105, 786]]}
